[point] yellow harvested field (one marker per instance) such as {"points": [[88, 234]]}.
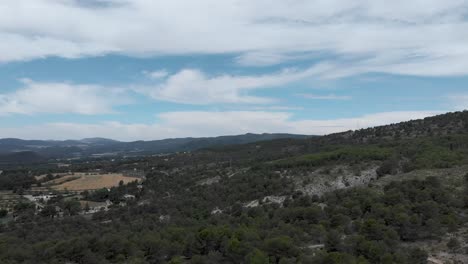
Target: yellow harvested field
{"points": [[93, 182], [63, 179], [40, 177]]}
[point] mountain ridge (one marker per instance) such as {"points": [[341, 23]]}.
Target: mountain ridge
{"points": [[102, 146], [277, 143]]}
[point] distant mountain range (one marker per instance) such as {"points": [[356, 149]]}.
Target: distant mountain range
{"points": [[18, 150]]}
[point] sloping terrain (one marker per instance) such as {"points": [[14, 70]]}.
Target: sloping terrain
{"points": [[392, 194]]}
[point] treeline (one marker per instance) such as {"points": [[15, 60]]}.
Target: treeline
{"points": [[348, 154], [397, 156], [16, 180]]}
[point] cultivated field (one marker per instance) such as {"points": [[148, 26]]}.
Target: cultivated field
{"points": [[93, 182], [63, 179], [41, 177]]}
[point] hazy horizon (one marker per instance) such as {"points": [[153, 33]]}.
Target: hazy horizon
{"points": [[358, 127], [105, 138]]}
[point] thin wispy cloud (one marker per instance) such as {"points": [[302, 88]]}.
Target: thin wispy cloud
{"points": [[458, 101], [204, 123], [156, 75], [325, 97]]}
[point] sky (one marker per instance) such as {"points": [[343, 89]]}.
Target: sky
{"points": [[154, 69]]}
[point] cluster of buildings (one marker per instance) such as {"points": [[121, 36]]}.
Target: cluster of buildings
{"points": [[87, 207]]}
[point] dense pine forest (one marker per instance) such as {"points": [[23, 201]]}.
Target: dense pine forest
{"points": [[391, 194]]}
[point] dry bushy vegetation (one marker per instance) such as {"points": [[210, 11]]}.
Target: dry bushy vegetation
{"points": [[396, 189]]}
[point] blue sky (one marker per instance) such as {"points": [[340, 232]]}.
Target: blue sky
{"points": [[143, 69]]}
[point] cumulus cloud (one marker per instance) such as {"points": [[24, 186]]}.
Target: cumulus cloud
{"points": [[201, 124], [37, 97], [421, 37]]}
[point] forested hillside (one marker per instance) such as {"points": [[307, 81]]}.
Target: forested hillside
{"points": [[391, 194]]}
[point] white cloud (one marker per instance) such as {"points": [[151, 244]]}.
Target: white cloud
{"points": [[325, 97], [420, 37], [272, 108], [458, 101], [369, 120], [202, 124], [37, 97], [156, 75], [192, 86], [261, 58], [15, 47], [188, 86]]}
